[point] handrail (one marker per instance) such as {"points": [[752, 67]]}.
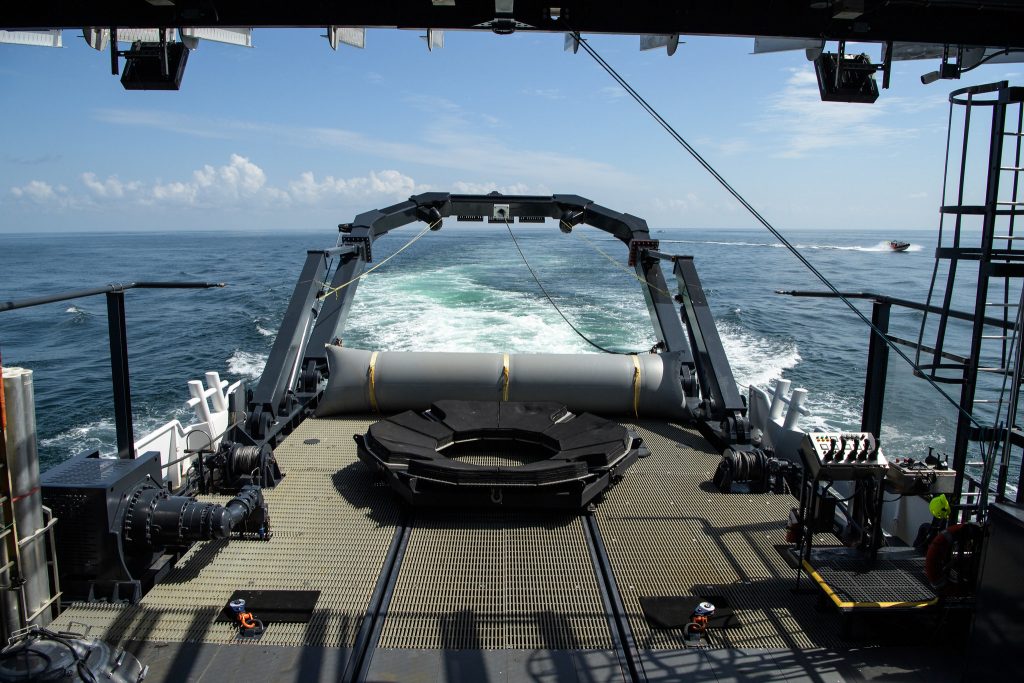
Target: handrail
{"points": [[113, 287], [116, 328], [905, 303]]}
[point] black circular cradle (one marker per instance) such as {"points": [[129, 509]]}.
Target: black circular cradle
{"points": [[579, 455]]}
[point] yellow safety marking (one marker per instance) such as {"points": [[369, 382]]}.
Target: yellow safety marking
{"points": [[373, 389], [636, 385], [504, 377], [845, 604]]}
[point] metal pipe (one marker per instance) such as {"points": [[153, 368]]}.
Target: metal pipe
{"points": [[114, 287], [23, 464], [793, 414], [779, 399], [905, 303]]}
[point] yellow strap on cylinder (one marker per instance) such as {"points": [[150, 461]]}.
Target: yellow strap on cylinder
{"points": [[504, 377], [636, 385], [373, 389]]}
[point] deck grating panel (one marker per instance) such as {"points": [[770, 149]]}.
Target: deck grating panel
{"points": [[495, 580], [332, 523], [667, 532], [487, 580]]}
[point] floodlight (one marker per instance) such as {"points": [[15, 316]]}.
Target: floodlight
{"points": [[846, 78], [154, 66]]}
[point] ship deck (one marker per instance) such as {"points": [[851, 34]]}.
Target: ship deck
{"points": [[500, 595]]}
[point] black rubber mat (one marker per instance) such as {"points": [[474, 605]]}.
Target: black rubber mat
{"points": [[274, 607], [675, 612]]}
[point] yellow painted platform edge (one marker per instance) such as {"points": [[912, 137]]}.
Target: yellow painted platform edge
{"points": [[844, 604]]}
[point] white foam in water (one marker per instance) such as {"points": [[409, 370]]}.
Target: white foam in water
{"points": [[756, 361], [95, 435], [247, 364], [101, 435], [416, 311], [882, 246]]}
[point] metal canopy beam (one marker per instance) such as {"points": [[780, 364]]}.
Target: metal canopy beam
{"points": [[964, 22]]}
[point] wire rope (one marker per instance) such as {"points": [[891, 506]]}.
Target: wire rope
{"points": [[552, 301], [335, 290], [762, 220]]}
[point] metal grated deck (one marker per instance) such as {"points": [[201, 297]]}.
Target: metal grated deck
{"points": [[332, 526], [487, 582], [668, 532], [895, 580], [496, 580]]}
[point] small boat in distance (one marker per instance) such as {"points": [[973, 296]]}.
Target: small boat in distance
{"points": [[896, 245]]}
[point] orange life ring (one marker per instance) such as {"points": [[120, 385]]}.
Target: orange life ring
{"points": [[937, 561]]}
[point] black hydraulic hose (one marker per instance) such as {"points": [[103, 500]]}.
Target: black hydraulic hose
{"points": [[157, 520], [237, 510]]}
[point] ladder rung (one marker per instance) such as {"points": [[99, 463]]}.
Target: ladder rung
{"points": [[1008, 237], [1011, 168], [994, 336], [985, 400], [1003, 305], [1011, 133], [1007, 203]]}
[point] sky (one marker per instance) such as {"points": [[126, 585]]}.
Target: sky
{"points": [[291, 135]]}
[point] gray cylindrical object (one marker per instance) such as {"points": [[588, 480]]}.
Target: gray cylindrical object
{"points": [[19, 399], [605, 384]]}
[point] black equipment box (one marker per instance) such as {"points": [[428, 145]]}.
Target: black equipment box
{"points": [[86, 494]]}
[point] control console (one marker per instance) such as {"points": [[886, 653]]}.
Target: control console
{"points": [[838, 456], [910, 477]]}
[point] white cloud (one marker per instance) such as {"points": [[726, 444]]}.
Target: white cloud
{"points": [[612, 92], [805, 124], [449, 138], [464, 187], [383, 184], [546, 93], [42, 193], [689, 202], [240, 182], [111, 187]]}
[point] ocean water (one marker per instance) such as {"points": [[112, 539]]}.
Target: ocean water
{"points": [[462, 288]]}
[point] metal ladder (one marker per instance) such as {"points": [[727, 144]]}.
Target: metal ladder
{"points": [[987, 233]]}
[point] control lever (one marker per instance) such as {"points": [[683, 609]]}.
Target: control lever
{"points": [[831, 449]]}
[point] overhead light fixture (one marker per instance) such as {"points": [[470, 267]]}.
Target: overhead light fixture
{"points": [[346, 35], [966, 59], [572, 42], [154, 66], [848, 9], [850, 78], [846, 78], [49, 38], [434, 38], [652, 42]]}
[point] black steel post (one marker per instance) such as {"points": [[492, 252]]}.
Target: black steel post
{"points": [[119, 375], [712, 363], [660, 307], [878, 366], [334, 310], [291, 338]]}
